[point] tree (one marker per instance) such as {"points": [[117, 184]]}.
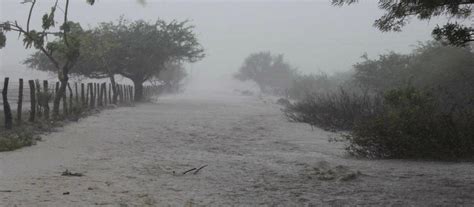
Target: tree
{"points": [[136, 50], [146, 47], [447, 71], [65, 45], [387, 72], [398, 13], [97, 60], [270, 72]]}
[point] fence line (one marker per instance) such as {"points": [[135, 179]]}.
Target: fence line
{"points": [[36, 97]]}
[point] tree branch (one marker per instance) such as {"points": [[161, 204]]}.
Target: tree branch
{"points": [[66, 24], [29, 15]]}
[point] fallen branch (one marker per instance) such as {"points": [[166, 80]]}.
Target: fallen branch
{"points": [[195, 172], [188, 171]]}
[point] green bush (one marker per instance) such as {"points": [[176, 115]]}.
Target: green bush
{"points": [[11, 140], [333, 111], [412, 125]]}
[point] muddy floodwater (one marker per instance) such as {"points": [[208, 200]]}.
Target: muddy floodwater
{"points": [[223, 149]]}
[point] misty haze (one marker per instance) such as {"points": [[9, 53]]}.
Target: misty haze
{"points": [[236, 103]]}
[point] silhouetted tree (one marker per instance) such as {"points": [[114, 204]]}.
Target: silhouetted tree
{"points": [[270, 72], [398, 13]]}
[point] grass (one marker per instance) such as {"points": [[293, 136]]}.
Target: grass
{"points": [[28, 133], [18, 138]]}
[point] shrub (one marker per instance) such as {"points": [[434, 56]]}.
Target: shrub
{"points": [[411, 125], [11, 140], [333, 111]]}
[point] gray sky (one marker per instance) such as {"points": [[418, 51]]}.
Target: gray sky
{"points": [[313, 35]]}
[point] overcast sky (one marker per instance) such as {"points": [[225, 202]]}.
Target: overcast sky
{"points": [[313, 35]]}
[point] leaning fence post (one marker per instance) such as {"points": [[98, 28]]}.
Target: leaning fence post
{"points": [[6, 106], [32, 101], [20, 101]]}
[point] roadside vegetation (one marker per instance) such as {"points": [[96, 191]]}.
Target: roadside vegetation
{"points": [[149, 54], [417, 105]]}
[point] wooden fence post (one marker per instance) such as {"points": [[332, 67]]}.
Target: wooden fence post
{"points": [[132, 98], [46, 99], [71, 97], [32, 101], [121, 93], [125, 95], [20, 102], [77, 93], [38, 91], [110, 93], [97, 93], [104, 88], [94, 95], [6, 106], [91, 93], [100, 97], [83, 98]]}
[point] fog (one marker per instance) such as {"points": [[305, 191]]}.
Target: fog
{"points": [[295, 103], [313, 35]]}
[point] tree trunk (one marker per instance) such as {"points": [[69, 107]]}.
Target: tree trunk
{"points": [[63, 78], [114, 89], [138, 90], [6, 106]]}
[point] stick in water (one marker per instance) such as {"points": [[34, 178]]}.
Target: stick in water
{"points": [[195, 172], [188, 171]]}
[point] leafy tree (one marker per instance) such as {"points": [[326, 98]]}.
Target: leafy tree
{"points": [[388, 71], [137, 50], [97, 60], [447, 71], [270, 72], [398, 13], [65, 45], [145, 49]]}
